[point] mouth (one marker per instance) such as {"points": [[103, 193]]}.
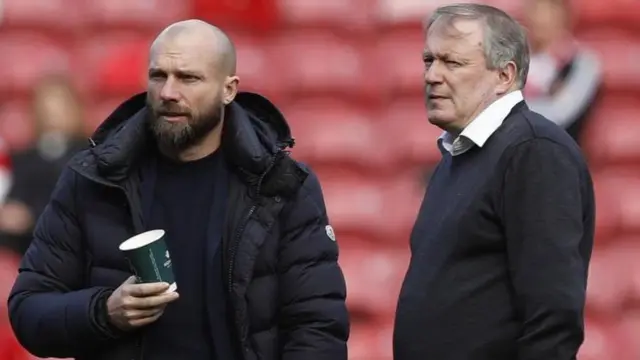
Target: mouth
{"points": [[169, 116], [437, 97]]}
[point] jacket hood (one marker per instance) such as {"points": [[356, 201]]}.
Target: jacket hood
{"points": [[254, 135]]}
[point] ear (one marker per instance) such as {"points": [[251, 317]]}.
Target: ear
{"points": [[507, 78], [230, 89]]}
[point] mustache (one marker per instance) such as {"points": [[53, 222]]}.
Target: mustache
{"points": [[170, 109]]}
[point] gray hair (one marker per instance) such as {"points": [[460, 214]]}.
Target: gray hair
{"points": [[505, 38]]}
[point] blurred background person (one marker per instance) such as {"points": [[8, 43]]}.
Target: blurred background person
{"points": [[58, 116], [564, 76], [6, 170]]}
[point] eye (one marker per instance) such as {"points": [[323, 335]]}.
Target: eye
{"points": [[157, 75], [188, 78]]}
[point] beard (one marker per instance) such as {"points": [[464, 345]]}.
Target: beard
{"points": [[174, 137]]}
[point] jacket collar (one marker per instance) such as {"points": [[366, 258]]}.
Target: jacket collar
{"points": [[254, 139]]}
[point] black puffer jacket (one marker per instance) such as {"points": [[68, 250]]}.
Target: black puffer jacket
{"points": [[285, 286]]}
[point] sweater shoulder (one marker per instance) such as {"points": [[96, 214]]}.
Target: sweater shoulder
{"points": [[526, 128]]}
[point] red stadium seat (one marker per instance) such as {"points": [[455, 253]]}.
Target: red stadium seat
{"points": [[331, 131], [143, 14], [410, 138], [28, 57], [608, 287], [354, 204], [414, 12], [319, 62], [116, 61], [371, 340], [619, 13], [256, 66], [618, 53], [630, 323], [383, 209], [406, 12], [345, 15], [605, 340], [399, 55], [610, 136], [368, 270], [254, 15], [44, 15], [607, 208], [619, 190], [100, 110], [629, 250]]}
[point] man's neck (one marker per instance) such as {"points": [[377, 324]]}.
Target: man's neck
{"points": [[456, 129]]}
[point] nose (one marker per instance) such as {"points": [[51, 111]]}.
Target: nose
{"points": [[169, 91], [433, 73]]}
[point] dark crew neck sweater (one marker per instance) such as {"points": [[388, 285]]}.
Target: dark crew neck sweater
{"points": [[182, 205], [500, 250]]}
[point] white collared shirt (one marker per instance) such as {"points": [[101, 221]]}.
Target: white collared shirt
{"points": [[483, 126]]}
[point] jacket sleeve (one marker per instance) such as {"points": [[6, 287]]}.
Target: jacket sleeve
{"points": [[313, 320], [51, 313], [549, 244]]}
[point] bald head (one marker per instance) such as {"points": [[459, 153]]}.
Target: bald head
{"points": [[199, 34], [191, 80]]}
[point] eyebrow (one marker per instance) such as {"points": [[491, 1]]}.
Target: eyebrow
{"points": [[179, 72], [430, 55], [445, 57]]}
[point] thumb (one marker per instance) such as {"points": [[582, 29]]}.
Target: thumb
{"points": [[131, 280]]}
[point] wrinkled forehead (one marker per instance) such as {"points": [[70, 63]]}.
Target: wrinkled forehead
{"points": [[183, 53], [459, 35]]}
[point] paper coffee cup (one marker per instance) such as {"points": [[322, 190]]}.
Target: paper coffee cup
{"points": [[148, 255]]}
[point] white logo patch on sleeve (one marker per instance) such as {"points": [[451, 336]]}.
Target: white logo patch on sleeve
{"points": [[330, 233]]}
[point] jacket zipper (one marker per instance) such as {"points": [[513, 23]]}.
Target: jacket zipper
{"points": [[245, 220]]}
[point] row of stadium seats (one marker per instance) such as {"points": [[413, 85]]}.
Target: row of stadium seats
{"points": [[309, 62], [352, 14], [334, 130], [614, 278], [605, 339], [613, 300]]}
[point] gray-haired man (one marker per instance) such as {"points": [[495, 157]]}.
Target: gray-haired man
{"points": [[502, 243]]}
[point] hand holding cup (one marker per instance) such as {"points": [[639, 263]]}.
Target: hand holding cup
{"points": [[133, 305], [142, 298]]}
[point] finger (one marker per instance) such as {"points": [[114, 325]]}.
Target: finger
{"points": [[130, 280], [145, 321], [141, 314], [142, 290], [149, 302]]}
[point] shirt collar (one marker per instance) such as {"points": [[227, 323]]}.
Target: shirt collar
{"points": [[487, 122]]}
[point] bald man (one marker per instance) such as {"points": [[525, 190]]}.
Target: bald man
{"points": [[253, 255]]}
